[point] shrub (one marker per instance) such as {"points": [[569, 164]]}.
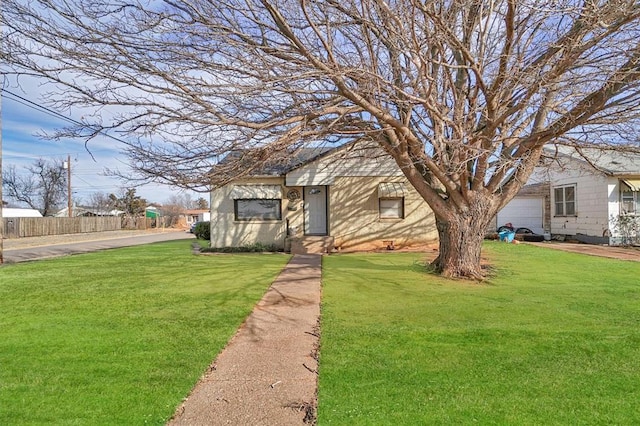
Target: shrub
{"points": [[252, 248], [202, 231], [627, 228]]}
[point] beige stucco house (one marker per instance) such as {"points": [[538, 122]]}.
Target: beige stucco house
{"points": [[352, 197]]}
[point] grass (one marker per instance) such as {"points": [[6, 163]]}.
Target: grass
{"points": [[120, 336], [553, 338]]}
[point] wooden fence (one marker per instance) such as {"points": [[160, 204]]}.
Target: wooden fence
{"points": [[18, 227]]}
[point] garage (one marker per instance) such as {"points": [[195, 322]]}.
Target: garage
{"points": [[524, 212]]}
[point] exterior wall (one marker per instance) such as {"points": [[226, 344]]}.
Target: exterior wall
{"points": [[593, 196], [363, 159], [354, 219], [227, 232], [352, 176], [294, 211]]}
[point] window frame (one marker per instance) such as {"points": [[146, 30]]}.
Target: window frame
{"points": [[277, 210], [400, 215], [564, 202], [635, 201]]}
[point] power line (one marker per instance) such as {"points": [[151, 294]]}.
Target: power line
{"points": [[30, 104], [90, 184], [33, 105]]}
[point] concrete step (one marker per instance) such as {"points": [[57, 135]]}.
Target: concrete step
{"points": [[311, 244]]}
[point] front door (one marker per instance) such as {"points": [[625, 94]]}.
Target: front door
{"points": [[315, 210]]}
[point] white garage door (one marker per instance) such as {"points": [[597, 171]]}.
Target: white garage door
{"points": [[523, 213]]}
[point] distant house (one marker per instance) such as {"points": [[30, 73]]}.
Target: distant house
{"points": [[84, 211], [351, 197], [8, 212], [197, 215], [593, 197]]}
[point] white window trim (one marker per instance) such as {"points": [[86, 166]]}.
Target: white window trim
{"points": [[398, 216], [635, 202], [564, 200]]}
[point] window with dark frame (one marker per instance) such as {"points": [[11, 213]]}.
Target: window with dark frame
{"points": [[391, 208], [257, 209], [565, 200]]}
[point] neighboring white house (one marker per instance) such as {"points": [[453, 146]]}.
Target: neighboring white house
{"points": [[197, 215], [593, 197], [8, 212]]}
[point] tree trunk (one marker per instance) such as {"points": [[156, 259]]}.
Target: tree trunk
{"points": [[461, 238]]}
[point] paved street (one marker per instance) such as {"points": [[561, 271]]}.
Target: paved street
{"points": [[36, 248]]}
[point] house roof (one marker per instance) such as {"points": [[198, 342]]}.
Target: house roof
{"points": [[83, 210], [16, 212], [609, 161], [280, 163]]}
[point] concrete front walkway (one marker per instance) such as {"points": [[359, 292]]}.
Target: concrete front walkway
{"points": [[267, 375]]}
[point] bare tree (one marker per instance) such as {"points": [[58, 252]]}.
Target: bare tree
{"points": [[101, 202], [43, 187], [183, 200], [174, 208], [463, 94], [172, 214]]}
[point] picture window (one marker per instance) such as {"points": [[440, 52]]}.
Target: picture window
{"points": [[258, 209]]}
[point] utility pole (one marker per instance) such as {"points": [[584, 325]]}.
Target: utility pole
{"points": [[69, 200]]}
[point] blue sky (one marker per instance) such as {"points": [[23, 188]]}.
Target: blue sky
{"points": [[21, 146]]}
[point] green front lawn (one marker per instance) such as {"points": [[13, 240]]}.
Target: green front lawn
{"points": [[120, 336], [554, 338]]}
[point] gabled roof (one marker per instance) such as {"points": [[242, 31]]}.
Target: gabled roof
{"points": [[607, 161], [280, 163]]}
